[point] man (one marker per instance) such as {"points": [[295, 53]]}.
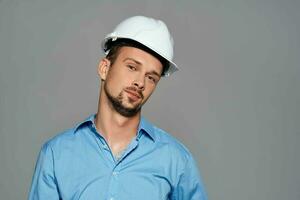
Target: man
{"points": [[116, 153]]}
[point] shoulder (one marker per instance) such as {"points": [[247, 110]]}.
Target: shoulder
{"points": [[69, 136], [163, 138], [60, 139], [175, 146]]}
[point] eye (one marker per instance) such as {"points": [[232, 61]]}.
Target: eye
{"points": [[131, 67], [151, 78]]}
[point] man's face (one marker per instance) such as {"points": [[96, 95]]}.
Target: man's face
{"points": [[131, 79]]}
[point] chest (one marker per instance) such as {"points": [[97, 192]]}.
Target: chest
{"points": [[141, 173]]}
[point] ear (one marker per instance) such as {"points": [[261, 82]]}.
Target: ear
{"points": [[103, 68]]}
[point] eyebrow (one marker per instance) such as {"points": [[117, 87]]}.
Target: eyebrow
{"points": [[134, 60], [154, 73], [139, 63]]}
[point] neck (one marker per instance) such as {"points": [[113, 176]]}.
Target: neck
{"points": [[114, 127]]}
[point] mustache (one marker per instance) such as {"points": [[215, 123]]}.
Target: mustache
{"points": [[134, 89]]}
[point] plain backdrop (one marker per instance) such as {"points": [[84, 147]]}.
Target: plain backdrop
{"points": [[234, 103]]}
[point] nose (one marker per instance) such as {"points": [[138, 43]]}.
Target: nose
{"points": [[139, 82]]}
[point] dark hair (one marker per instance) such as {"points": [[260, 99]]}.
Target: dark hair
{"points": [[115, 46]]}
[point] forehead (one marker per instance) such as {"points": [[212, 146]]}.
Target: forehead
{"points": [[142, 57]]}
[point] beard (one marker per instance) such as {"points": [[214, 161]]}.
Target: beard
{"points": [[118, 104]]}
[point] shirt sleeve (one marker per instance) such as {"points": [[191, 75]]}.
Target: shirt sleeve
{"points": [[43, 184], [189, 186]]}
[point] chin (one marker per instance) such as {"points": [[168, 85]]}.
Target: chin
{"points": [[131, 106]]}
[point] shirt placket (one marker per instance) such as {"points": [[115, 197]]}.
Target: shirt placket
{"points": [[116, 172]]}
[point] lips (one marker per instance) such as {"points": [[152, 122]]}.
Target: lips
{"points": [[134, 94]]}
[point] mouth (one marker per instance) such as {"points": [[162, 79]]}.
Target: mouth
{"points": [[133, 95]]}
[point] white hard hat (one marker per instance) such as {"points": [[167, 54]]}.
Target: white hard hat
{"points": [[149, 32]]}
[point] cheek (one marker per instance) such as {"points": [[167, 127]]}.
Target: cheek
{"points": [[149, 90], [120, 79], [114, 86]]}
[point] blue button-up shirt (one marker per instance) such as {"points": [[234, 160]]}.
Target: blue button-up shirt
{"points": [[78, 164]]}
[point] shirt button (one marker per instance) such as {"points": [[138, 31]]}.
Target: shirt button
{"points": [[115, 173]]}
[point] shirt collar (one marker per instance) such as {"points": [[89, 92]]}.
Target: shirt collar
{"points": [[147, 127], [90, 119], [144, 126]]}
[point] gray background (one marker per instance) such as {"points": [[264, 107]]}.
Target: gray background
{"points": [[235, 102]]}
